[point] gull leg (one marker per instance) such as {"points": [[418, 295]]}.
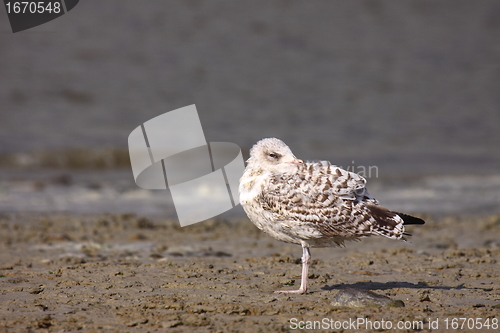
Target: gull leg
{"points": [[306, 260]]}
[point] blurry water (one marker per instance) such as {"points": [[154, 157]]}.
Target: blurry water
{"points": [[410, 87], [115, 192]]}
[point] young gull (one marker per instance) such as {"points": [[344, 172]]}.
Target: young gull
{"points": [[312, 204]]}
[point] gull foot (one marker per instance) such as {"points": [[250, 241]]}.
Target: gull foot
{"points": [[300, 291]]}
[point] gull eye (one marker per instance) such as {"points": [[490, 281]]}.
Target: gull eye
{"points": [[273, 155]]}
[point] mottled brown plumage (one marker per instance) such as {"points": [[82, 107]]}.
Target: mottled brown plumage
{"points": [[311, 204]]}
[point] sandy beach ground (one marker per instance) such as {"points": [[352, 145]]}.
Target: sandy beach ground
{"points": [[126, 273]]}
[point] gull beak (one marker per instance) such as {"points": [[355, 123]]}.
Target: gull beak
{"points": [[296, 161]]}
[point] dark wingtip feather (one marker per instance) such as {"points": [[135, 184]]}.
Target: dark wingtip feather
{"points": [[408, 219]]}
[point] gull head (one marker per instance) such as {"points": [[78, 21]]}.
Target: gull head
{"points": [[273, 155]]}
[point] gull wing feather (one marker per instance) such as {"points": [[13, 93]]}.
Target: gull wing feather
{"points": [[333, 199]]}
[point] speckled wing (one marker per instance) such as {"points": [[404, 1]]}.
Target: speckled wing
{"points": [[329, 198], [319, 185]]}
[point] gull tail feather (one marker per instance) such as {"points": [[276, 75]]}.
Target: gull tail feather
{"points": [[408, 219]]}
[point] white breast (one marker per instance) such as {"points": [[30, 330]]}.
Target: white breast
{"points": [[251, 186]]}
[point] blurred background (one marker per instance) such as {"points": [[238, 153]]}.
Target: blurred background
{"points": [[411, 87]]}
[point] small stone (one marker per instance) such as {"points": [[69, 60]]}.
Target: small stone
{"points": [[194, 320], [45, 322], [425, 298], [134, 323], [171, 323], [355, 298], [37, 290]]}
